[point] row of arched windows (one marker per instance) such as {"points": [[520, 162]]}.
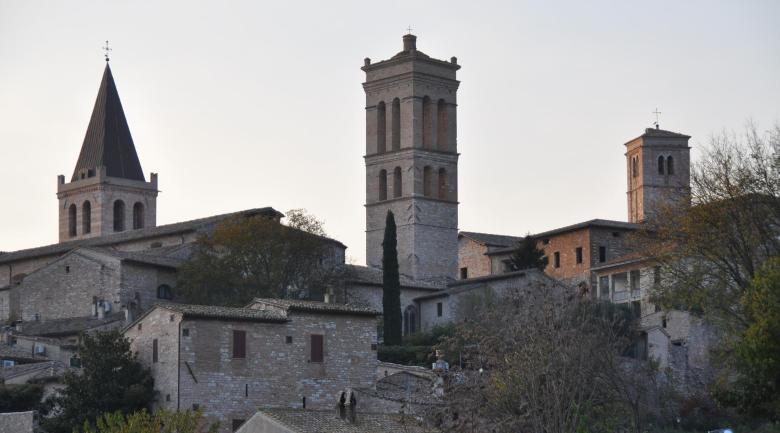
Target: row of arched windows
{"points": [[440, 184], [397, 183], [665, 165], [434, 119], [119, 217]]}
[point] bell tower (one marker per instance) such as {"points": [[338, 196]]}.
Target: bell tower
{"points": [[412, 161], [108, 192]]}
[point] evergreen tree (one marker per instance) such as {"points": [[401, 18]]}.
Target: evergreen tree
{"points": [[528, 255], [391, 293]]}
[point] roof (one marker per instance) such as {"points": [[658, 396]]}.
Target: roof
{"points": [[491, 239], [468, 284], [69, 326], [43, 370], [108, 142], [146, 257], [132, 235], [373, 276], [626, 259], [316, 307], [659, 133], [594, 223], [327, 421], [8, 351], [410, 52], [227, 313]]}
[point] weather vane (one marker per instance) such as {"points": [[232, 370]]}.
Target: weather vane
{"points": [[657, 113], [409, 30], [107, 49]]}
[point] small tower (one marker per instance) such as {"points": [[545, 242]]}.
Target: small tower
{"points": [[107, 192], [658, 166], [412, 161]]}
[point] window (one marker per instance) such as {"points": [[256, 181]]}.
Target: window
{"points": [[464, 273], [604, 287], [396, 124], [427, 123], [410, 320], [634, 168], [509, 266], [288, 339], [669, 165], [661, 164], [602, 254], [72, 221], [195, 406], [239, 344], [155, 354], [381, 128], [578, 255], [439, 309], [615, 234], [441, 125], [138, 216], [397, 182], [86, 217], [546, 241], [237, 423], [67, 269], [164, 292], [427, 181], [167, 397], [185, 332], [317, 348], [442, 184], [382, 184], [557, 259], [119, 216]]}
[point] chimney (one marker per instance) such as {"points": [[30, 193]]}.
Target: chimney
{"points": [[410, 42]]}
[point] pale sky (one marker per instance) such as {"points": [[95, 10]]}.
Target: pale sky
{"points": [[242, 104]]}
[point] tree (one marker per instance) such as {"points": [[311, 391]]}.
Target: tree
{"points": [[253, 257], [20, 398], [162, 421], [111, 380], [391, 287], [528, 255]]}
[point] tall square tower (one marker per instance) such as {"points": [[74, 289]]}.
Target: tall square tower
{"points": [[412, 161]]}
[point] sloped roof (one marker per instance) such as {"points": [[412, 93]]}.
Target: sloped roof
{"points": [[8, 351], [316, 307], [43, 369], [327, 421], [69, 326], [132, 235], [227, 313], [659, 133], [492, 240], [146, 257], [108, 142], [373, 276]]}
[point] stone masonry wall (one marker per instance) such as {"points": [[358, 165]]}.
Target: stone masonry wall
{"points": [[471, 255]]}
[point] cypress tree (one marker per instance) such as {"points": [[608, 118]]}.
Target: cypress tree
{"points": [[391, 283], [528, 255]]}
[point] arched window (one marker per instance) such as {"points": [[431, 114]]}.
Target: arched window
{"points": [[86, 217], [381, 128], [442, 183], [427, 123], [634, 168], [138, 216], [410, 320], [396, 124], [669, 165], [427, 181], [441, 125], [382, 184], [119, 216], [72, 221], [397, 182], [164, 292], [661, 164]]}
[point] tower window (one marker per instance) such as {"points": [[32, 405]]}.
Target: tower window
{"points": [[669, 165], [397, 185], [557, 259], [138, 216], [381, 128], [72, 221], [382, 184], [442, 183], [396, 124], [119, 216], [441, 125], [86, 217], [427, 123], [427, 181], [634, 167], [661, 164]]}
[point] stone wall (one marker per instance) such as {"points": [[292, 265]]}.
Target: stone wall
{"points": [[471, 255], [17, 422]]}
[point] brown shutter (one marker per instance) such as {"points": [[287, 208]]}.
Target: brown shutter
{"points": [[316, 348], [239, 344]]}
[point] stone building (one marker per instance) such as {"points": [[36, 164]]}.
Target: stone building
{"points": [[272, 353]]}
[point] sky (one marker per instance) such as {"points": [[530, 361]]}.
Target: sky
{"points": [[244, 104]]}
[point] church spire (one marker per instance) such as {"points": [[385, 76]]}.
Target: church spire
{"points": [[108, 143]]}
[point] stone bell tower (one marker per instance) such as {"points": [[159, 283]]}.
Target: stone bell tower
{"points": [[412, 161], [107, 192]]}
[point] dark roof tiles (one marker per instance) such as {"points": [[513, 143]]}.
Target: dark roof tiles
{"points": [[492, 239], [316, 307], [327, 421], [227, 313]]}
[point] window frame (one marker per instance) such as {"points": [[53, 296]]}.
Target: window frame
{"points": [[316, 341], [239, 344]]}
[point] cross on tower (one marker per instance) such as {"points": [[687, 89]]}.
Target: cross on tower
{"points": [[657, 113], [106, 48], [409, 30]]}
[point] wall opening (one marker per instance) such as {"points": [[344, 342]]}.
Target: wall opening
{"points": [[395, 119], [138, 216], [86, 217], [72, 221], [427, 123], [381, 128], [661, 164], [442, 184], [427, 181], [441, 125], [397, 184], [669, 165], [382, 184], [119, 216]]}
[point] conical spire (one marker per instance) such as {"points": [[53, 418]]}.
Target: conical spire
{"points": [[108, 142]]}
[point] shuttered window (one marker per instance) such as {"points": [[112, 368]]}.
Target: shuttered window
{"points": [[155, 355], [317, 348], [239, 344]]}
